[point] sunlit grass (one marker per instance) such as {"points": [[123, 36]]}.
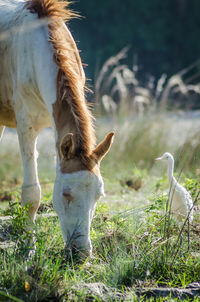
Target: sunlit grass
{"points": [[130, 246], [130, 250]]}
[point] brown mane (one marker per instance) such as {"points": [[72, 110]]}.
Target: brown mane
{"points": [[70, 78], [51, 8]]}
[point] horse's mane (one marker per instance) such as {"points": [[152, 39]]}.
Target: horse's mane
{"points": [[70, 78], [51, 8]]}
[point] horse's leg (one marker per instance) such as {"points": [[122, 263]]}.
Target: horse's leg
{"points": [[1, 131], [31, 188]]}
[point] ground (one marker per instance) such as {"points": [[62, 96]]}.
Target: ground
{"points": [[136, 246]]}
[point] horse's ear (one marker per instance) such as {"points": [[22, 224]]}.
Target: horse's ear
{"points": [[102, 149], [67, 146]]}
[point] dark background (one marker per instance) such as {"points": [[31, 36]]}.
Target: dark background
{"points": [[163, 35]]}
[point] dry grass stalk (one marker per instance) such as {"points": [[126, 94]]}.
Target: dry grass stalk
{"points": [[118, 89]]}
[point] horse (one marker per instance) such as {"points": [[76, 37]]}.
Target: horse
{"points": [[42, 84]]}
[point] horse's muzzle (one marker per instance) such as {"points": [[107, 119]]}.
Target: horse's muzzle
{"points": [[74, 252]]}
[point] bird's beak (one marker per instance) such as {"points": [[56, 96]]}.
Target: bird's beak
{"points": [[158, 158]]}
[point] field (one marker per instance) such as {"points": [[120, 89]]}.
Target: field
{"points": [[136, 246]]}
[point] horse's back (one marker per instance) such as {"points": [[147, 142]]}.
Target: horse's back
{"points": [[9, 10], [18, 58]]}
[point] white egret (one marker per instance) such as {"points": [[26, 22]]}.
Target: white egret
{"points": [[181, 204]]}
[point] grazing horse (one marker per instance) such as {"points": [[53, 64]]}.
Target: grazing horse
{"points": [[42, 84]]}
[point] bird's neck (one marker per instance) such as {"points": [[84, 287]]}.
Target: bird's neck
{"points": [[171, 178]]}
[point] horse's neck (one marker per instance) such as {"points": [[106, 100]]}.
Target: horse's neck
{"points": [[10, 13], [64, 120]]}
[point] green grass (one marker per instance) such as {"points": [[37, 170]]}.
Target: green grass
{"points": [[130, 250], [134, 245]]}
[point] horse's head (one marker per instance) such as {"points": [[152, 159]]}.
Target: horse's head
{"points": [[78, 186]]}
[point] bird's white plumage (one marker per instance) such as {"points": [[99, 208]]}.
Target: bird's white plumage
{"points": [[180, 200]]}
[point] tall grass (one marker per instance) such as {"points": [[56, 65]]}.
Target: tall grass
{"points": [[118, 88], [139, 141]]}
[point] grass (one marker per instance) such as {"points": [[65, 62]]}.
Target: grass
{"points": [[134, 245], [119, 89]]}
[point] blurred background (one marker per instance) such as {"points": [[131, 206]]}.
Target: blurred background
{"points": [[162, 36]]}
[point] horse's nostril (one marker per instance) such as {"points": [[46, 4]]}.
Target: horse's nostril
{"points": [[74, 252], [84, 253], [68, 253], [71, 252]]}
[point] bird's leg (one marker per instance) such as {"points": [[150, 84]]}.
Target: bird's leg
{"points": [[181, 244], [188, 234]]}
